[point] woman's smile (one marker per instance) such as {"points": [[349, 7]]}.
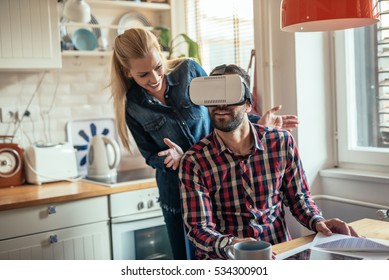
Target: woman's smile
{"points": [[148, 72]]}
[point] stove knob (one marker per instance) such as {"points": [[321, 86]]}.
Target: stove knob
{"points": [[150, 204], [141, 205]]}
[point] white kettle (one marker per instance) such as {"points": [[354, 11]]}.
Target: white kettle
{"points": [[103, 158]]}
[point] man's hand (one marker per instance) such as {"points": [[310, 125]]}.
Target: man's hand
{"points": [[327, 227], [173, 154], [287, 122]]}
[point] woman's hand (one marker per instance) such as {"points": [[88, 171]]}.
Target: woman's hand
{"points": [[173, 154], [287, 122]]}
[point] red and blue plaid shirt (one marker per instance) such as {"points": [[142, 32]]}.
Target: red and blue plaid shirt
{"points": [[225, 195]]}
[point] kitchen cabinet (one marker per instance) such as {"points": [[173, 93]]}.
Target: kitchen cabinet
{"points": [[29, 35], [111, 16], [76, 229]]}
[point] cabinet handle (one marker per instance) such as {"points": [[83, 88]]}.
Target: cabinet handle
{"points": [[52, 209], [53, 238]]}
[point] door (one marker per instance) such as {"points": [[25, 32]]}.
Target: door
{"points": [[87, 242], [145, 239]]}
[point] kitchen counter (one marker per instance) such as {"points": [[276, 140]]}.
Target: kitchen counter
{"points": [[32, 195]]}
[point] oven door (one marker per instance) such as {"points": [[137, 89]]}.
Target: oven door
{"points": [[144, 239]]}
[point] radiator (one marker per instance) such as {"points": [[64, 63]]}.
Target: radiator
{"points": [[347, 209]]}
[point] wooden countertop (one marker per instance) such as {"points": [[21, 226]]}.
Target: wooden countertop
{"points": [[32, 195], [365, 227]]}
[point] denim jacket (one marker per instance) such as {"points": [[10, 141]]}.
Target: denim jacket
{"points": [[179, 120]]}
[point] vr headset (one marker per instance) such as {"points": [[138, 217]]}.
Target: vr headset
{"points": [[219, 90]]}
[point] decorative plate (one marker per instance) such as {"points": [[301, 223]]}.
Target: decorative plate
{"points": [[132, 20]]}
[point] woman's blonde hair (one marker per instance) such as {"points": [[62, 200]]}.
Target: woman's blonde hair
{"points": [[132, 44]]}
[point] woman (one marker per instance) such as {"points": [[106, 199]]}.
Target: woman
{"points": [[151, 99]]}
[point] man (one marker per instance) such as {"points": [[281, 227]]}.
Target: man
{"points": [[236, 181]]}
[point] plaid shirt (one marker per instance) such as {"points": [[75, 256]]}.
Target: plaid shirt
{"points": [[225, 195]]}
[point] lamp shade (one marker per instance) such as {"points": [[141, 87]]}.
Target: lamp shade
{"points": [[77, 10], [327, 15]]}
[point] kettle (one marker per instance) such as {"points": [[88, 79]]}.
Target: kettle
{"points": [[103, 158]]}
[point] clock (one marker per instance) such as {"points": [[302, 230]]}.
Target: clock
{"points": [[11, 165]]}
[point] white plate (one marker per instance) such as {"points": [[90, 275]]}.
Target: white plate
{"points": [[132, 20]]}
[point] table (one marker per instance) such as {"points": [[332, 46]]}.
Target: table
{"points": [[365, 227]]}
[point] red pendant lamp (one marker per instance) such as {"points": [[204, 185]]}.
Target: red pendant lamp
{"points": [[327, 15]]}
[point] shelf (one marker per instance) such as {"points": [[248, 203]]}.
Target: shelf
{"points": [[130, 4], [91, 25], [107, 25], [86, 53]]}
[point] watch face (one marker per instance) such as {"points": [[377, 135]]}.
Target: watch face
{"points": [[224, 242]]}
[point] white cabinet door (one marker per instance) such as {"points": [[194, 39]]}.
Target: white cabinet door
{"points": [[87, 242], [29, 34]]}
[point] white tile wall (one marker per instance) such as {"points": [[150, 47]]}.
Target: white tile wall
{"points": [[82, 93]]}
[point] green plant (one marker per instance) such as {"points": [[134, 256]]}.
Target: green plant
{"points": [[170, 45]]}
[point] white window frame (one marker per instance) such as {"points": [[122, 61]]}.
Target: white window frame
{"points": [[348, 152]]}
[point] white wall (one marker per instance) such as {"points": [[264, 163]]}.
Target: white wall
{"points": [[80, 94], [294, 71]]}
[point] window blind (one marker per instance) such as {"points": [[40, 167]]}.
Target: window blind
{"points": [[223, 29], [383, 74]]}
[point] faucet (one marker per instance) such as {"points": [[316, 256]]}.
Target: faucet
{"points": [[382, 214]]}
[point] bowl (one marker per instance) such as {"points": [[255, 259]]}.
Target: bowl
{"points": [[84, 40]]}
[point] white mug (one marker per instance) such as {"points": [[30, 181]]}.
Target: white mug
{"points": [[250, 250]]}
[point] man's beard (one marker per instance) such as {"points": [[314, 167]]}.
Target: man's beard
{"points": [[229, 124]]}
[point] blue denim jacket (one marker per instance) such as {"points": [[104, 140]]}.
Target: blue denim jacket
{"points": [[179, 120]]}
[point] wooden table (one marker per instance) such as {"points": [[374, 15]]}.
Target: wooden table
{"points": [[365, 227]]}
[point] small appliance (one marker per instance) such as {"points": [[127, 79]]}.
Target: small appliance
{"points": [[50, 162], [80, 133], [103, 158], [11, 165]]}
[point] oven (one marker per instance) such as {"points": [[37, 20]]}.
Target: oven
{"points": [[137, 226]]}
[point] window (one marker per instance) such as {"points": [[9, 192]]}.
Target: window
{"points": [[362, 87], [223, 29]]}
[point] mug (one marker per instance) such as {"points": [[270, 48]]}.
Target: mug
{"points": [[250, 250]]}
